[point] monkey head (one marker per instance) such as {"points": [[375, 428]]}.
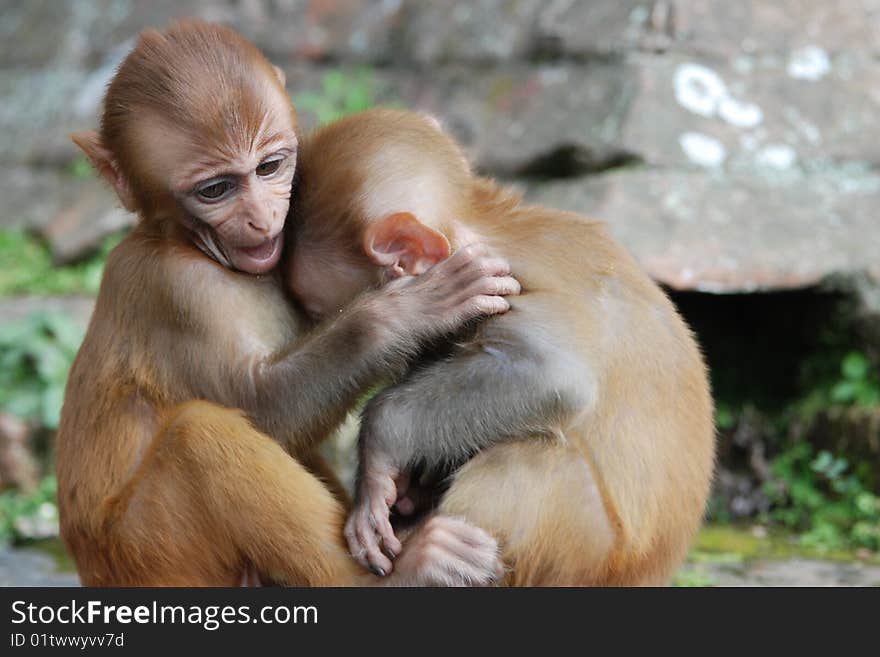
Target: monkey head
{"points": [[198, 132], [376, 195]]}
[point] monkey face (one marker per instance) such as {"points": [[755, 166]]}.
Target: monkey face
{"points": [[242, 210], [232, 186]]}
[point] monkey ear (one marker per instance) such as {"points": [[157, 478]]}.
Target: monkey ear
{"points": [[89, 142], [404, 244], [280, 74]]}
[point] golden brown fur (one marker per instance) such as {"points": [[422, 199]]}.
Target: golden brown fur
{"points": [[610, 492], [160, 480]]}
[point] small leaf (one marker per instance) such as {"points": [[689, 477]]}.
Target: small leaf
{"points": [[844, 392], [855, 366], [822, 462]]}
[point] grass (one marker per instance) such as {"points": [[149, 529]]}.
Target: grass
{"points": [[26, 267]]}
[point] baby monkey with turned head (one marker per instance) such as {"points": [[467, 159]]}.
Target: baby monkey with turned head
{"points": [[579, 424]]}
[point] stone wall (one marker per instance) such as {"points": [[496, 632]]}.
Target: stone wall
{"points": [[732, 146]]}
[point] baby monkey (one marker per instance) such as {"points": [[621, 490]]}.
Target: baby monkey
{"points": [[580, 422]]}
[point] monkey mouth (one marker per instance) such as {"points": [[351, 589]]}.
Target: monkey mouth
{"points": [[258, 259]]}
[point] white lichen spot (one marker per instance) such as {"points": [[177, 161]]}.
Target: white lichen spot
{"points": [[776, 156], [739, 113], [702, 149], [699, 89], [809, 63], [702, 91]]}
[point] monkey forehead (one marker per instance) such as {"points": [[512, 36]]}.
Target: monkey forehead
{"points": [[182, 156], [238, 114]]}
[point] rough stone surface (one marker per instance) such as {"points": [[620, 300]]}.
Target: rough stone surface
{"points": [[791, 572], [755, 122], [509, 117], [27, 567], [22, 567], [738, 232], [763, 118], [728, 28]]}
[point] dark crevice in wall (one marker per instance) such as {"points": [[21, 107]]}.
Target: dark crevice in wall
{"points": [[761, 348], [568, 161]]}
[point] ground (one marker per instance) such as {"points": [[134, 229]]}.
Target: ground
{"points": [[723, 556]]}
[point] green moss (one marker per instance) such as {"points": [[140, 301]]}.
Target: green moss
{"points": [[734, 544], [26, 267]]}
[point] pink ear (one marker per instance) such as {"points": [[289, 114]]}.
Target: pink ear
{"points": [[90, 143], [405, 244]]}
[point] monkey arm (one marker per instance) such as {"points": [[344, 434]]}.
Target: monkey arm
{"points": [[302, 392], [299, 392], [499, 387], [494, 389]]}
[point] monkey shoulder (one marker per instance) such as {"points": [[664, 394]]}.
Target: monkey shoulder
{"points": [[160, 285]]}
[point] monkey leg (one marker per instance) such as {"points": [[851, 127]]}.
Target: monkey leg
{"points": [[542, 502], [213, 497]]}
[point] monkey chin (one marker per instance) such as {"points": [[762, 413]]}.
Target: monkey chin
{"points": [[257, 259]]}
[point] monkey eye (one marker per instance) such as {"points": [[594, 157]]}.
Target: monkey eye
{"points": [[270, 165], [214, 189]]}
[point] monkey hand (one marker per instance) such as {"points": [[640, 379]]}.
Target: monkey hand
{"points": [[470, 283], [368, 531], [447, 551]]}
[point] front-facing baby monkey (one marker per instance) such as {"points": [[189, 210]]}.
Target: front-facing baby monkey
{"points": [[581, 419]]}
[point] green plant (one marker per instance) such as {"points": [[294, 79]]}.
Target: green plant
{"points": [[26, 267], [29, 515], [859, 383], [35, 357], [819, 495], [341, 94]]}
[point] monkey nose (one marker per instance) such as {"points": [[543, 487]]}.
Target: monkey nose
{"points": [[262, 227]]}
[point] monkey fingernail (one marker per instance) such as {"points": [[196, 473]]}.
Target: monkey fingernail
{"points": [[378, 572]]}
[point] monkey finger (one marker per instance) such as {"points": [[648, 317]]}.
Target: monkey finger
{"points": [[494, 286], [484, 304], [375, 559], [461, 572], [489, 266], [462, 257], [382, 524], [355, 548], [472, 546]]}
